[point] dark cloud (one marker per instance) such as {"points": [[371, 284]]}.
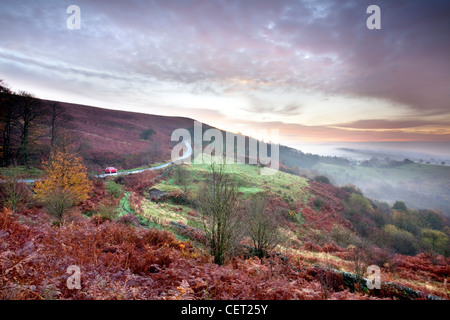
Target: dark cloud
{"points": [[321, 45]]}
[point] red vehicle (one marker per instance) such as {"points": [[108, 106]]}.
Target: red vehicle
{"points": [[110, 170]]}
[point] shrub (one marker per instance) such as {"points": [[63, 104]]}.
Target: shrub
{"points": [[292, 216], [400, 205], [14, 194], [351, 189], [341, 235], [129, 220], [379, 257], [114, 189], [436, 241], [322, 179], [140, 182], [402, 241], [107, 212], [178, 198], [146, 134], [433, 219], [405, 220], [59, 203], [318, 203], [359, 203], [182, 176]]}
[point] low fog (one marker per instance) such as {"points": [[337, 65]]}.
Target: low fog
{"points": [[417, 173]]}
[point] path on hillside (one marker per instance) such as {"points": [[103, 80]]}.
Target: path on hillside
{"points": [[184, 156]]}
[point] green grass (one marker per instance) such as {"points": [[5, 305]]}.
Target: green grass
{"points": [[165, 212], [292, 188], [23, 172], [125, 205], [250, 181], [250, 190], [248, 178]]}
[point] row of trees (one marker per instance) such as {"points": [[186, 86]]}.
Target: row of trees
{"points": [[404, 230], [25, 122]]}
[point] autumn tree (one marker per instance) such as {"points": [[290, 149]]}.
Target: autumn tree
{"points": [[218, 206], [65, 185]]}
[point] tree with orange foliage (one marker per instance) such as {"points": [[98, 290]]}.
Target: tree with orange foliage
{"points": [[65, 186]]}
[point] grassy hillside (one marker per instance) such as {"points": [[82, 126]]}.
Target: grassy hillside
{"points": [[128, 140], [129, 246]]}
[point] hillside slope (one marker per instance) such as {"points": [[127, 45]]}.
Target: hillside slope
{"points": [[120, 138], [130, 245]]}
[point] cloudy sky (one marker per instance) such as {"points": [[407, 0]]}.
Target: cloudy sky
{"points": [[311, 69]]}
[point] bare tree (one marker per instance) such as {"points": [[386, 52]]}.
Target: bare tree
{"points": [[58, 120], [58, 203], [8, 116], [28, 112], [358, 257], [218, 205], [15, 194], [262, 226]]}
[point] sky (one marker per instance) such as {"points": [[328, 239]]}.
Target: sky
{"points": [[311, 69]]}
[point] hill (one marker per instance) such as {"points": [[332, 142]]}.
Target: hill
{"points": [[132, 243], [129, 140], [123, 139], [150, 230]]}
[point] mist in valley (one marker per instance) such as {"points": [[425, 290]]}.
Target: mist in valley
{"points": [[417, 173]]}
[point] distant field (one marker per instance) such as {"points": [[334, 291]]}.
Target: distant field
{"points": [[419, 185]]}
